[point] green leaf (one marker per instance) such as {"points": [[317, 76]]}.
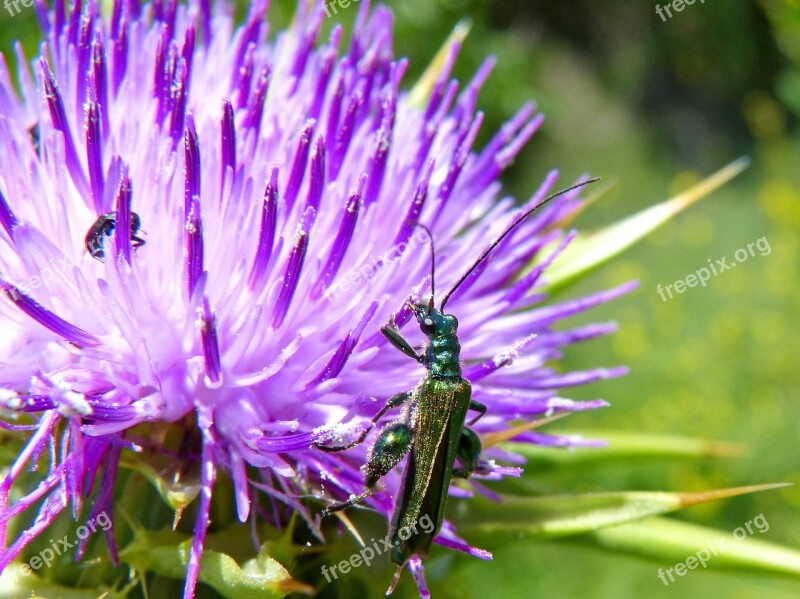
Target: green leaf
{"points": [[18, 581], [623, 446], [590, 250], [258, 578], [421, 91], [559, 516], [672, 542], [177, 492]]}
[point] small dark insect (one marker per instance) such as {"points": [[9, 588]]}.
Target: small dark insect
{"points": [[103, 227], [34, 133]]}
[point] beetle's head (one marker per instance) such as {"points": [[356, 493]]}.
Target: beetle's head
{"points": [[432, 322]]}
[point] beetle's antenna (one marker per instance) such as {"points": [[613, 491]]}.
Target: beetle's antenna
{"points": [[433, 263], [513, 225]]}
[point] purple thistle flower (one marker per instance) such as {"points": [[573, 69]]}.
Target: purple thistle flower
{"points": [[278, 183]]}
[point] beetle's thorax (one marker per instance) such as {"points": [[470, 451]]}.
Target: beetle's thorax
{"points": [[442, 356]]}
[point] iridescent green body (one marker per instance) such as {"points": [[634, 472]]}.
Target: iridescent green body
{"points": [[442, 409], [442, 355], [432, 432]]}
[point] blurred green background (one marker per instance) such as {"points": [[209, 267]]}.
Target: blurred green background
{"points": [[652, 106]]}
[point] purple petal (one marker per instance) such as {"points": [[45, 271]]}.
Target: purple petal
{"points": [[286, 443], [266, 236], [194, 246], [415, 209], [94, 154], [459, 545], [7, 217], [123, 230], [208, 332], [299, 163], [294, 267], [47, 319], [337, 362], [255, 107], [58, 116], [100, 83], [228, 141], [208, 475], [119, 55], [180, 95], [316, 176], [245, 78], [341, 242], [50, 510], [414, 565]]}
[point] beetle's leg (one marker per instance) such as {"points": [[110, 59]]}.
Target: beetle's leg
{"points": [[394, 401], [396, 339], [354, 500], [137, 241], [476, 406], [469, 451], [390, 447]]}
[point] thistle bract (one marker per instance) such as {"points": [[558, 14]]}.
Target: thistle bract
{"points": [[277, 181]]}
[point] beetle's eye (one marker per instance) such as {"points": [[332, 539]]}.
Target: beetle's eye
{"points": [[428, 326]]}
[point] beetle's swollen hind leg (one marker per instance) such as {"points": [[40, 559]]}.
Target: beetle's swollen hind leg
{"points": [[469, 445], [469, 452], [394, 401], [390, 447]]}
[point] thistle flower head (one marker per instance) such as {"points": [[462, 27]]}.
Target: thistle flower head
{"points": [[261, 195]]}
